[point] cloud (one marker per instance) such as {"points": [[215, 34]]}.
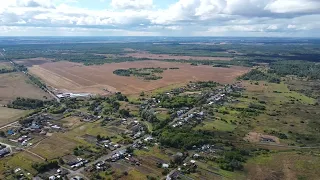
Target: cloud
{"points": [[132, 4], [184, 17], [294, 6]]}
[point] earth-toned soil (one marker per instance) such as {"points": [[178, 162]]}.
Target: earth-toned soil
{"points": [[101, 80], [13, 85]]}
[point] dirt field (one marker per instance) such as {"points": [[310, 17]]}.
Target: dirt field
{"points": [[94, 79], [257, 137], [8, 115], [13, 85]]}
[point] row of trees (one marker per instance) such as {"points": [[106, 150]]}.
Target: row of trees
{"points": [[177, 101], [26, 103], [184, 138], [3, 71]]}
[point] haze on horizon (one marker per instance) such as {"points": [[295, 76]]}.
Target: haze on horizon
{"points": [[250, 18]]}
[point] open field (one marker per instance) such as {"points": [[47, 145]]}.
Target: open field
{"points": [[5, 65], [64, 143], [21, 160], [143, 54], [94, 79], [9, 115], [284, 165], [15, 85]]}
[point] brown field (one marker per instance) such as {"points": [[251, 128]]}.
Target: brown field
{"points": [[10, 115], [13, 85], [94, 79]]}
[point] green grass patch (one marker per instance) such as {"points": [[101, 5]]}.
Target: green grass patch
{"points": [[216, 125]]}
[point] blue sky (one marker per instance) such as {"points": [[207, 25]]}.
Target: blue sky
{"points": [[252, 18]]}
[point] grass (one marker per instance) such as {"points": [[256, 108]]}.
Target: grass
{"points": [[162, 116], [284, 165], [9, 115], [216, 125], [153, 151], [135, 175], [55, 146], [21, 160], [166, 88]]}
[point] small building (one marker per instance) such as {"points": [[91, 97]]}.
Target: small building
{"points": [[4, 152], [165, 165]]}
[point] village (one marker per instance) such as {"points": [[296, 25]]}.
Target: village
{"points": [[31, 130]]}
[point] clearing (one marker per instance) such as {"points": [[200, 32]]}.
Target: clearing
{"points": [[13, 85], [74, 77]]}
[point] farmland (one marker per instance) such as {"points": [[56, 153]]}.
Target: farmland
{"points": [[93, 79], [13, 85], [184, 110]]}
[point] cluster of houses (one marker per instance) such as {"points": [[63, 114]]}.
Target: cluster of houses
{"points": [[109, 145], [99, 166], [221, 94], [57, 174], [74, 162], [87, 117], [135, 129], [207, 149], [73, 95], [40, 123], [191, 119], [121, 154], [143, 143], [23, 140]]}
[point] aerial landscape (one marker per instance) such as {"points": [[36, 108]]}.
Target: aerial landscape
{"points": [[137, 113], [159, 90]]}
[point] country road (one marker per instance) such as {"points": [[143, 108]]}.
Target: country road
{"points": [[8, 125]]}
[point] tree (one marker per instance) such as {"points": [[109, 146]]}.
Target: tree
{"points": [[2, 134]]}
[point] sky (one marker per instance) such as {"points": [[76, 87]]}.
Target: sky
{"points": [[242, 18]]}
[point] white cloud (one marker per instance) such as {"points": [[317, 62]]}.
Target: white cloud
{"points": [[185, 17], [294, 6], [132, 4]]}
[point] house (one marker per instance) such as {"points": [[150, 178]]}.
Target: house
{"points": [[148, 139], [4, 152], [10, 132], [165, 165], [173, 175], [196, 156]]}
